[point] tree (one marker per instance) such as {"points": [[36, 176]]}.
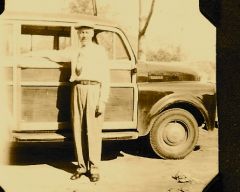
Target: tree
{"points": [[165, 55], [143, 25], [90, 7], [82, 7]]}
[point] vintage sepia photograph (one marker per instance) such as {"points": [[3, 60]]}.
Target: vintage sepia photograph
{"points": [[101, 95]]}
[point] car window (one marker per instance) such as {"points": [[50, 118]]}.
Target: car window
{"points": [[35, 38], [113, 45]]}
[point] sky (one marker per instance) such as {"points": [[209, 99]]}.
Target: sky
{"points": [[174, 23], [180, 22]]}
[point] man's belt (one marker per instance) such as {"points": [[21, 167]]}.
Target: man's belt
{"points": [[86, 82]]}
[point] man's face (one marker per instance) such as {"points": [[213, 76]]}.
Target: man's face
{"points": [[85, 35]]}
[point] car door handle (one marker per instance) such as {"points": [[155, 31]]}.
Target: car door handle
{"points": [[134, 71]]}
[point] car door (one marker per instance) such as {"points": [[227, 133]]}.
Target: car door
{"points": [[121, 109]]}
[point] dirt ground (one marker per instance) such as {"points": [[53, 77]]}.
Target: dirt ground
{"points": [[125, 167]]}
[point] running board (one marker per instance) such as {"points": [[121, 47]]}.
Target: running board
{"points": [[128, 135], [56, 137], [39, 137]]}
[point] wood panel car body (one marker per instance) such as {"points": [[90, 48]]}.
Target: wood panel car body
{"points": [[166, 102]]}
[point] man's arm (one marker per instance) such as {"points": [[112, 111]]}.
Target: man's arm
{"points": [[53, 55]]}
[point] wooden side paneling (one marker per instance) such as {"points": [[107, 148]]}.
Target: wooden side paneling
{"points": [[120, 76], [120, 105], [46, 104], [45, 75], [52, 104]]}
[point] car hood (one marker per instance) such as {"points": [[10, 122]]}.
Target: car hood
{"points": [[168, 71]]}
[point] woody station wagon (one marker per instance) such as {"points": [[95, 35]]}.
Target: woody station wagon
{"points": [[165, 102]]}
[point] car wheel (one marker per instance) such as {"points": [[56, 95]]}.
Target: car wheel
{"points": [[174, 134]]}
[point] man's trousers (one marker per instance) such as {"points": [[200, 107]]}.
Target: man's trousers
{"points": [[86, 127]]}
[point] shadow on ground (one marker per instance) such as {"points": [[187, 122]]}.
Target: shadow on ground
{"points": [[138, 147], [61, 156]]}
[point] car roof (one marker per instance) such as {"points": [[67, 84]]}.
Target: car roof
{"points": [[56, 17]]}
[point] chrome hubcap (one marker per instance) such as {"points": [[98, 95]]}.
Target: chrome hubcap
{"points": [[174, 134]]}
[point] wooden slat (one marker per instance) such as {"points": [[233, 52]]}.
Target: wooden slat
{"points": [[10, 98], [44, 84], [55, 84], [63, 75], [45, 30]]}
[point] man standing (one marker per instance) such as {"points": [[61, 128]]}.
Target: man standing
{"points": [[90, 92], [90, 78]]}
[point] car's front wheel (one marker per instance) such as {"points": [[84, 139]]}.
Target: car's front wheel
{"points": [[174, 134]]}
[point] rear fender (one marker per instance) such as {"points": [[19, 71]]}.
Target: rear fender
{"points": [[172, 100]]}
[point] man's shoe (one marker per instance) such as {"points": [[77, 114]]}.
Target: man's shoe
{"points": [[79, 172], [94, 177], [94, 174]]}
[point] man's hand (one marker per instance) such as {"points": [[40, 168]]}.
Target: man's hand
{"points": [[71, 79], [100, 108]]}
